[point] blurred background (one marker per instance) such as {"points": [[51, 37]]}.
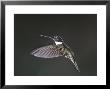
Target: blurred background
{"points": [[79, 31]]}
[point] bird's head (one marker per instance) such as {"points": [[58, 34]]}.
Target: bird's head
{"points": [[58, 39]]}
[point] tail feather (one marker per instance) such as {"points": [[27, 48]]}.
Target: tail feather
{"points": [[75, 64]]}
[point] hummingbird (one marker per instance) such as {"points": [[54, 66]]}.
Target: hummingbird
{"points": [[57, 49]]}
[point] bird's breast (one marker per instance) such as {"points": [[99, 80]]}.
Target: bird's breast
{"points": [[62, 49]]}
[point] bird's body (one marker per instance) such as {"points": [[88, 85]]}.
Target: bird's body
{"points": [[59, 48]]}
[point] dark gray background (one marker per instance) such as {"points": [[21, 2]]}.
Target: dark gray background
{"points": [[78, 31]]}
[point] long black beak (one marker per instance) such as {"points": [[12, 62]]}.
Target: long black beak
{"points": [[48, 37]]}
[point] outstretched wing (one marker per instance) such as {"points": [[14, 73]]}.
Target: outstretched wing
{"points": [[50, 51]]}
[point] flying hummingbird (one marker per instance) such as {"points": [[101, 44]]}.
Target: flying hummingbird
{"points": [[57, 49]]}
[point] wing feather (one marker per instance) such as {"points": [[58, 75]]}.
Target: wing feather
{"points": [[50, 51]]}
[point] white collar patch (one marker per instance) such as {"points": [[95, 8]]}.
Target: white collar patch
{"points": [[57, 43]]}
